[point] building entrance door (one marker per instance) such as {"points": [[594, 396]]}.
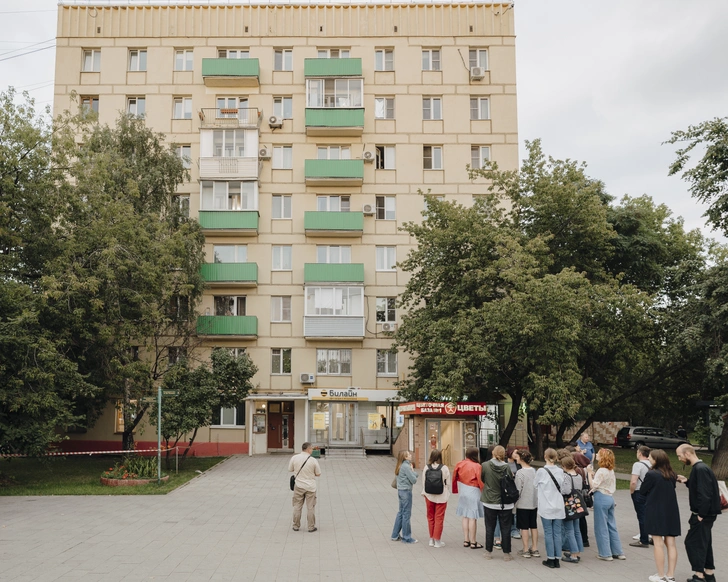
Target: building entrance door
{"points": [[280, 426], [343, 423]]}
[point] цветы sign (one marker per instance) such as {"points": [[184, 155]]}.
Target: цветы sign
{"points": [[449, 408]]}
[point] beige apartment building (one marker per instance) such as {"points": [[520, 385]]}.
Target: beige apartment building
{"points": [[309, 129]]}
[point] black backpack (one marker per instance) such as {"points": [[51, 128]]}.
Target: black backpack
{"points": [[434, 484], [509, 491]]}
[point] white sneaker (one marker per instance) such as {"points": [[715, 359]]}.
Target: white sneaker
{"points": [[439, 544], [636, 537], [656, 578], [432, 542]]}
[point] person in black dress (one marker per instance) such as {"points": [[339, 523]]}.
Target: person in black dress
{"points": [[662, 515]]}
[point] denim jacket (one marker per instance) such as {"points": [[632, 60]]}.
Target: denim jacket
{"points": [[407, 477]]}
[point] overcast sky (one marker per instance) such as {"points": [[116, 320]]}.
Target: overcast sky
{"points": [[601, 82]]}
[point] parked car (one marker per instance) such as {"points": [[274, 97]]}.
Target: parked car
{"points": [[655, 438]]}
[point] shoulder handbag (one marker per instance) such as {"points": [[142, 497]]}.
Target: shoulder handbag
{"points": [[293, 477], [586, 493]]}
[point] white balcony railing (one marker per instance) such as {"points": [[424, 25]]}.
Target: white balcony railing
{"points": [[222, 167]]}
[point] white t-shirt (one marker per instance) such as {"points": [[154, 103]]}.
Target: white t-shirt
{"points": [[640, 469]]}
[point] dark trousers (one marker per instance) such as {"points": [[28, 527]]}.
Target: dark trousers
{"points": [[505, 518], [638, 500], [584, 531], [699, 543]]}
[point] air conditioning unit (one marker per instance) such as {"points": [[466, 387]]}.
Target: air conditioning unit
{"points": [[264, 153], [274, 122], [477, 73], [389, 327], [308, 378], [368, 209], [368, 157]]}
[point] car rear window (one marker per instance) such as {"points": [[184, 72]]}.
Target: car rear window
{"points": [[623, 431]]}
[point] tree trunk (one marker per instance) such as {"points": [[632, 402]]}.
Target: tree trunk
{"points": [[189, 444], [560, 433], [720, 458], [512, 420]]}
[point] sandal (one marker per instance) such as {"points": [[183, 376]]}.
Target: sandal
{"points": [[476, 546], [466, 544]]}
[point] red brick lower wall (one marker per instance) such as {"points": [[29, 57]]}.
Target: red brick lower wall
{"points": [[198, 449]]}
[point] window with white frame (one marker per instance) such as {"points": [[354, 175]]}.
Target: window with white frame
{"points": [[283, 60], [334, 153], [282, 258], [280, 361], [384, 158], [432, 157], [183, 204], [431, 59], [333, 203], [229, 195], [183, 59], [335, 301], [429, 197], [231, 417], [384, 108], [228, 143], [386, 258], [136, 106], [386, 207], [333, 53], [333, 362], [233, 54], [384, 59], [478, 57], [333, 254], [282, 158], [230, 253], [386, 363], [281, 206], [386, 309], [182, 108], [236, 352], [91, 61], [229, 304], [478, 156], [137, 59], [176, 355], [280, 309], [230, 105], [334, 92], [431, 108], [89, 104], [184, 153], [479, 108], [283, 107]]}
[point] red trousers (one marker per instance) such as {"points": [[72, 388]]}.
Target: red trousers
{"points": [[435, 518]]}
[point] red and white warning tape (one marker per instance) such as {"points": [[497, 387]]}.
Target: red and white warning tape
{"points": [[116, 452]]}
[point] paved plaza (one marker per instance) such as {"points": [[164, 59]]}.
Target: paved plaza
{"points": [[233, 523]]}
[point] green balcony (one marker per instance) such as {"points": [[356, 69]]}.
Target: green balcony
{"points": [[225, 274], [335, 121], [329, 273], [332, 67], [334, 172], [227, 326], [229, 222], [336, 224], [231, 72]]}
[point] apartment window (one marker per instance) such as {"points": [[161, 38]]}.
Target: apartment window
{"points": [[384, 60], [333, 53], [89, 104], [385, 158], [231, 105], [333, 362], [386, 309], [431, 197], [282, 258], [479, 108], [335, 301], [176, 355], [430, 59], [136, 106], [334, 153], [232, 417], [182, 108], [138, 60], [432, 157], [431, 108], [386, 363], [229, 305], [333, 254], [281, 206], [384, 107], [280, 361], [184, 153], [334, 92], [333, 203], [183, 60], [228, 143], [478, 156], [233, 54], [183, 204], [229, 195], [386, 258], [478, 58], [386, 209], [282, 158], [91, 61], [280, 309], [283, 107], [283, 60], [230, 253]]}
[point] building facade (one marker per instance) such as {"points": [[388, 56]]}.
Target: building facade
{"points": [[311, 132]]}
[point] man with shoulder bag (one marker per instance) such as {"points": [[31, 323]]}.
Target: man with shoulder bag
{"points": [[303, 485]]}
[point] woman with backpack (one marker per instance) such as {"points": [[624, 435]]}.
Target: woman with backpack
{"points": [[467, 485], [435, 478], [497, 508]]}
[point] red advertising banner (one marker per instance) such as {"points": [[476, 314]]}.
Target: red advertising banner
{"points": [[444, 408]]}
